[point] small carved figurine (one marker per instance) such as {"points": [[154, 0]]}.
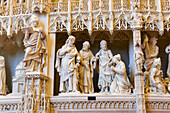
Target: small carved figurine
{"points": [[167, 50], [138, 61], [155, 78], [104, 56], [67, 67], [2, 76]]}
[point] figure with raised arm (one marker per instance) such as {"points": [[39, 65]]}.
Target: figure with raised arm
{"points": [[151, 51], [35, 44]]}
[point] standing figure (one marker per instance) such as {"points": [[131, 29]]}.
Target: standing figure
{"points": [[121, 82], [155, 78], [34, 42], [138, 61], [151, 51], [167, 50], [2, 76], [86, 69], [67, 67], [104, 56]]}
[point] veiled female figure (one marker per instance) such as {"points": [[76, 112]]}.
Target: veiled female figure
{"points": [[120, 82], [67, 67], [35, 52], [86, 69]]}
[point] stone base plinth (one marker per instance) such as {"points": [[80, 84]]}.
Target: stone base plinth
{"points": [[93, 103]]}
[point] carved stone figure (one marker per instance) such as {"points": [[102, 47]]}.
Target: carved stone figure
{"points": [[2, 76], [34, 42], [151, 51], [86, 69], [120, 82], [167, 50], [155, 78], [139, 61], [166, 84], [67, 66], [104, 56]]}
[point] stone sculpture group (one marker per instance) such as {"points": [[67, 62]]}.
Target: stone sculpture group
{"points": [[76, 69]]}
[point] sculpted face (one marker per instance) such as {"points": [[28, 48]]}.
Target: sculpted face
{"points": [[34, 23], [103, 46], [71, 40], [153, 41], [85, 47]]}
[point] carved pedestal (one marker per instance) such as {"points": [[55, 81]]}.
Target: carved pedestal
{"points": [[35, 99]]}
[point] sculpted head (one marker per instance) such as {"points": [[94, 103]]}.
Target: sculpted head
{"points": [[71, 40], [34, 21], [86, 45], [153, 40], [117, 58], [103, 45]]}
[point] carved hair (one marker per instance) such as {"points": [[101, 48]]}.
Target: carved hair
{"points": [[87, 43], [103, 42], [71, 37], [153, 39], [118, 57], [34, 18]]}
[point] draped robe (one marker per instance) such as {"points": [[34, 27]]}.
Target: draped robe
{"points": [[65, 65], [105, 72], [2, 76], [35, 52], [86, 75], [120, 82]]}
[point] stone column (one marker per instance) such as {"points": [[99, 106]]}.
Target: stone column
{"points": [[138, 58], [139, 78], [51, 61]]}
